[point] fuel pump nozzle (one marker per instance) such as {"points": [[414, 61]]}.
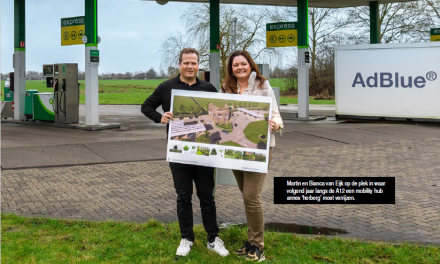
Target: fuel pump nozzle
{"points": [[55, 96], [63, 91], [55, 85]]}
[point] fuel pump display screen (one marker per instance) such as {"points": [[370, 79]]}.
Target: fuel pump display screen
{"points": [[47, 70]]}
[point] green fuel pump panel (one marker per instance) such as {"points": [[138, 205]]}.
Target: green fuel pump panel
{"points": [[43, 106], [9, 96], [8, 90], [28, 105]]}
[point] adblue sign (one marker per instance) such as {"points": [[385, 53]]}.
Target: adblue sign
{"points": [[388, 80], [396, 80]]}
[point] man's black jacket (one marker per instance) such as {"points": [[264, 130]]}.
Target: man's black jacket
{"points": [[162, 96]]}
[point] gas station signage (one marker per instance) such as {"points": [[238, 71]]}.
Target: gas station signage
{"points": [[72, 30], [398, 80], [94, 55], [282, 34], [435, 34]]}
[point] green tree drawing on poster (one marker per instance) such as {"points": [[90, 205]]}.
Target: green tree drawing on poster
{"points": [[182, 108], [190, 109]]}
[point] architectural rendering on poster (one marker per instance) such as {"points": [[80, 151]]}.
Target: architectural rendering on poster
{"points": [[225, 123]]}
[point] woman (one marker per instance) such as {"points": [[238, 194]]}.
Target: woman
{"points": [[243, 77]]}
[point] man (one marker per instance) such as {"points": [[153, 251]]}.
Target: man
{"points": [[185, 174]]}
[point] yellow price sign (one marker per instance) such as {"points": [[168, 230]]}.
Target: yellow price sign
{"points": [[282, 34], [435, 34], [435, 38], [72, 30]]}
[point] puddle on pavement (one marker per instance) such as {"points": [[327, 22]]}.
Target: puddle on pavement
{"points": [[294, 228], [304, 229]]}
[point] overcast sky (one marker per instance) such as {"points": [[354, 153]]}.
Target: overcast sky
{"points": [[131, 32]]}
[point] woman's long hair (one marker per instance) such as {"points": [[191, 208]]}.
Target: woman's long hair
{"points": [[230, 82]]}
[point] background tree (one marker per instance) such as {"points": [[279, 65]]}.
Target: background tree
{"points": [[34, 75], [139, 75], [172, 71], [190, 109], [182, 108], [170, 49], [151, 74], [251, 34], [324, 23], [398, 22], [277, 72], [434, 7], [161, 74]]}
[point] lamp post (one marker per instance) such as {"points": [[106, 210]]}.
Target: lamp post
{"points": [[234, 36]]}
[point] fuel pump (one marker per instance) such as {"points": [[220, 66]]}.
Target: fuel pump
{"points": [[265, 71], [66, 93]]}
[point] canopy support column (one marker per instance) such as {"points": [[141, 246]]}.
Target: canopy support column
{"points": [[303, 69], [91, 69], [374, 22], [214, 55], [19, 58]]}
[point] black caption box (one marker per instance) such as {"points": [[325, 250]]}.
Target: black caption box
{"points": [[334, 190]]}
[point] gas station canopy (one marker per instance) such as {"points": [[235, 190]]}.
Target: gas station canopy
{"points": [[312, 3], [92, 40]]}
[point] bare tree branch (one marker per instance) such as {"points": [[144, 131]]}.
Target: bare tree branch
{"points": [[250, 33]]}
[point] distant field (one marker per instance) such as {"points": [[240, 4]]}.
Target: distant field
{"points": [[136, 91], [110, 91], [142, 84], [278, 82], [293, 100]]}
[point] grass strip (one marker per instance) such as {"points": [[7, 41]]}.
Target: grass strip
{"points": [[42, 240], [293, 100], [231, 144], [254, 129], [136, 91]]}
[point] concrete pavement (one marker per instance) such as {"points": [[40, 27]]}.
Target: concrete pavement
{"points": [[122, 175]]}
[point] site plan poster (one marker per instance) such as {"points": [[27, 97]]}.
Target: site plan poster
{"points": [[219, 130]]}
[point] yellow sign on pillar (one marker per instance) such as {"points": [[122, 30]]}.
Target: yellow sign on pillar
{"points": [[72, 30], [282, 34], [435, 34]]}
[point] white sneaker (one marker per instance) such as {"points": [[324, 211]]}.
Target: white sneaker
{"points": [[184, 248], [219, 247]]}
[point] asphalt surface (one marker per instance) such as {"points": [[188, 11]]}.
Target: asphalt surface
{"points": [[121, 174]]}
